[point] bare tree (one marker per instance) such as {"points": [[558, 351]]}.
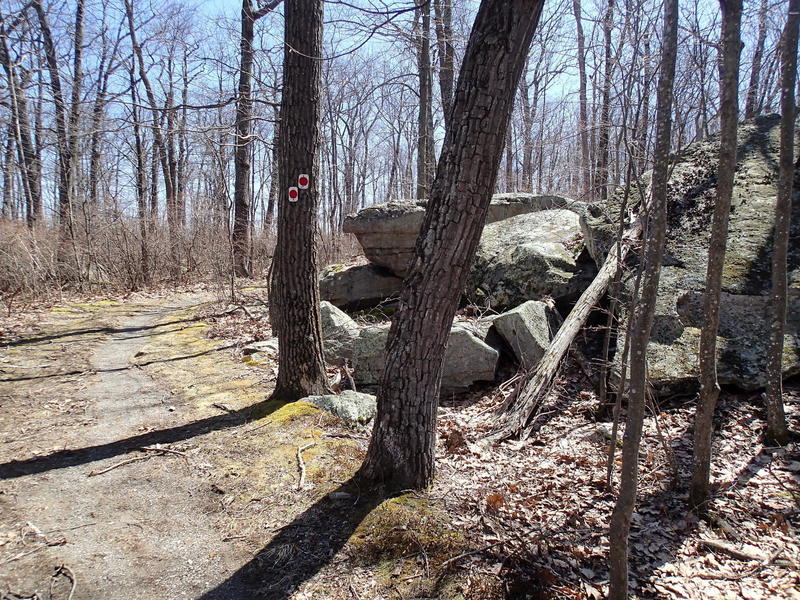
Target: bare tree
{"points": [[401, 450], [643, 312], [729, 119], [777, 432], [751, 107], [295, 292], [242, 193]]}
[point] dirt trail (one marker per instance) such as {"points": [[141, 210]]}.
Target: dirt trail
{"points": [[141, 530]]}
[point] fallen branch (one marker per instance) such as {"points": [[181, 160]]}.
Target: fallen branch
{"points": [[301, 465], [118, 465], [526, 398], [450, 561], [745, 556]]}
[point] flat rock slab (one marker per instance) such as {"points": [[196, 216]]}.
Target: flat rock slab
{"points": [[388, 232]]}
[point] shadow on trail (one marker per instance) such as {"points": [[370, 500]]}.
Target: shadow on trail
{"points": [[81, 456], [118, 369], [300, 549], [108, 330]]}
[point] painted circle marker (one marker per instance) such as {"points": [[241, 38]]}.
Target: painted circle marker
{"points": [[293, 194], [303, 180]]}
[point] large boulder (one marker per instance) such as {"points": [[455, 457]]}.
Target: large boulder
{"points": [[338, 333], [359, 287], [388, 232], [528, 257], [528, 329], [746, 281], [468, 358]]}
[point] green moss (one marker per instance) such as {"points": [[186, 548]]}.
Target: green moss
{"points": [[403, 526]]}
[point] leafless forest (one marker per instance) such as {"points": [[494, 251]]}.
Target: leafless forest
{"points": [[505, 299], [120, 137]]}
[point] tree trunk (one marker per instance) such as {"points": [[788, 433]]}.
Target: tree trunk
{"points": [[583, 115], [295, 291], [643, 311], [751, 107], [63, 143], [141, 182], [401, 450], [444, 41], [28, 157], [601, 177], [777, 433], [241, 156], [425, 153], [729, 119]]}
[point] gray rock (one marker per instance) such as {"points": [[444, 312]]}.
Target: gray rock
{"points": [[270, 345], [468, 359], [354, 407], [388, 232], [338, 333], [746, 282], [528, 257], [528, 329], [355, 288]]}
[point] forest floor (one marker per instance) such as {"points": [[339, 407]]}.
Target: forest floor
{"points": [[139, 458]]}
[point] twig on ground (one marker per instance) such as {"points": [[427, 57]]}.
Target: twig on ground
{"points": [[745, 556], [69, 574], [119, 464], [450, 561], [301, 465]]}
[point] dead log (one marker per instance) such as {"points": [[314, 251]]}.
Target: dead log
{"points": [[521, 406]]}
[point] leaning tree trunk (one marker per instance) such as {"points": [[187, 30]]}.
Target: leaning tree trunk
{"points": [[777, 432], [751, 107], [402, 447], [295, 292], [444, 43], [729, 119], [643, 313]]}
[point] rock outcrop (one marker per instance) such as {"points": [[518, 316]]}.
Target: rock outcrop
{"points": [[468, 358], [746, 282], [528, 257], [388, 232]]}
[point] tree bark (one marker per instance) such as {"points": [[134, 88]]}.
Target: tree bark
{"points": [[295, 291], [729, 119], [777, 432], [643, 311], [402, 447]]}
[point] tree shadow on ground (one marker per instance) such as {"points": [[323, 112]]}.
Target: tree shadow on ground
{"points": [[118, 369], [108, 330], [74, 457], [301, 548]]}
